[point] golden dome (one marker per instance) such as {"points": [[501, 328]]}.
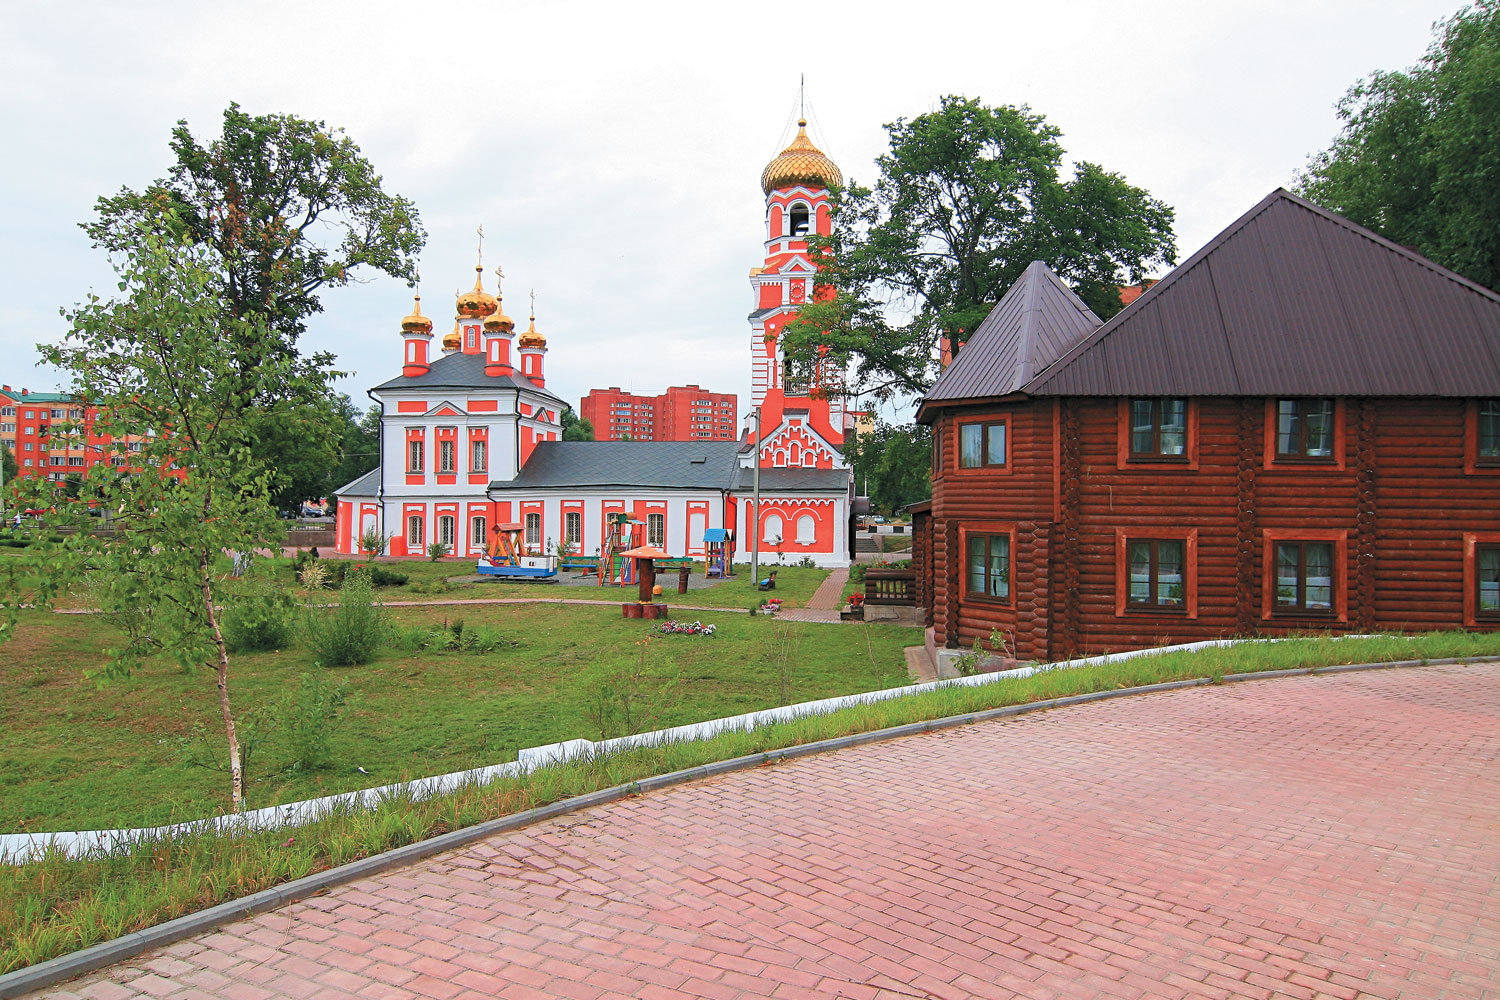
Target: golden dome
{"points": [[477, 303], [416, 322], [453, 340], [497, 320], [532, 339], [800, 163]]}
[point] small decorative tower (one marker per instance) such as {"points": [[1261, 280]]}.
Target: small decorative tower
{"points": [[533, 348], [498, 331], [471, 308], [416, 335]]}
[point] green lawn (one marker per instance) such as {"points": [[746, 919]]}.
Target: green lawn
{"points": [[76, 755], [446, 579]]}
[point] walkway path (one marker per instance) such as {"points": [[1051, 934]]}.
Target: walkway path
{"points": [[1319, 836], [825, 603]]}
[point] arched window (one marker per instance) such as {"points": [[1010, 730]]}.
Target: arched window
{"points": [[807, 529], [798, 218], [773, 529]]}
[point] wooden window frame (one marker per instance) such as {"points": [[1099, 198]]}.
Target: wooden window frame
{"points": [[1005, 528], [1274, 460], [1340, 539], [937, 449], [1474, 463], [1189, 538], [1473, 542], [1126, 457], [984, 468]]}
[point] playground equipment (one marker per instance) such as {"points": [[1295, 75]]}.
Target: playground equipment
{"points": [[650, 605], [621, 532], [718, 545], [507, 556]]}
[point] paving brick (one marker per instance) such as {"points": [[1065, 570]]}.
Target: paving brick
{"points": [[1239, 840]]}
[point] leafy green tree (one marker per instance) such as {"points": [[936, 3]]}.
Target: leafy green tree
{"points": [[575, 428], [1418, 159], [967, 197], [161, 363], [282, 207], [359, 443], [892, 465], [7, 464]]}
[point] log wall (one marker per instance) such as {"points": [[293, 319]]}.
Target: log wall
{"points": [[1398, 499]]}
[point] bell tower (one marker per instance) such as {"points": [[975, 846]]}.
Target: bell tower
{"points": [[796, 185]]}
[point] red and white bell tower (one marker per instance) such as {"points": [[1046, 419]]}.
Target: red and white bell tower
{"points": [[796, 187]]}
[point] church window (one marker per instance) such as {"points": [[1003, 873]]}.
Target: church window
{"points": [[476, 532], [773, 529], [415, 532], [656, 530], [573, 527], [807, 531], [799, 220], [445, 456], [533, 530], [477, 457], [414, 455]]}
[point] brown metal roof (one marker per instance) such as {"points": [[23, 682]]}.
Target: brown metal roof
{"points": [[1292, 299], [1033, 323]]}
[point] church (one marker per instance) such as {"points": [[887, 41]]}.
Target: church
{"points": [[472, 438]]}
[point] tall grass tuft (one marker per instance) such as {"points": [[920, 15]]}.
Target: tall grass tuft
{"points": [[352, 632]]}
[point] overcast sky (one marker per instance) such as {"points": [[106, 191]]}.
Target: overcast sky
{"points": [[613, 151]]}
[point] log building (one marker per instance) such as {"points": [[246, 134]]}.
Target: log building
{"points": [[1297, 429]]}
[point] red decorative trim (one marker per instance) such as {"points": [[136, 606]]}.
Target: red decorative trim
{"points": [[1124, 458], [411, 406], [1473, 464], [483, 405], [1340, 539], [1472, 541], [1189, 569], [959, 469], [961, 560], [1283, 464]]}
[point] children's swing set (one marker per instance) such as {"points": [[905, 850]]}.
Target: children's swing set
{"points": [[507, 556]]}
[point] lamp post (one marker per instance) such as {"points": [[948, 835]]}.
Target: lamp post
{"points": [[755, 505]]}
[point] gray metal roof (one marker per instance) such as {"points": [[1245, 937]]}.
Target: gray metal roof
{"points": [[465, 371], [364, 486], [794, 480], [707, 465], [1030, 327], [1292, 299]]}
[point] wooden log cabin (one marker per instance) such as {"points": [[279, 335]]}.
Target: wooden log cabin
{"points": [[1297, 429]]}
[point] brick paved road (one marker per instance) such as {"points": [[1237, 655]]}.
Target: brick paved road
{"points": [[1333, 836]]}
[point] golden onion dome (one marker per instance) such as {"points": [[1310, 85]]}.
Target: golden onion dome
{"points": [[497, 320], [476, 303], [532, 339], [800, 163], [416, 322], [452, 340]]}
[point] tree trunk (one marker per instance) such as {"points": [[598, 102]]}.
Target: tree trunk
{"points": [[236, 774]]}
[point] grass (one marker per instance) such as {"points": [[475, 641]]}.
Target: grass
{"points": [[77, 756], [53, 906], [443, 580]]}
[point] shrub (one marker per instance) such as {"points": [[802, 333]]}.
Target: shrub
{"points": [[312, 575], [308, 717], [351, 632], [259, 618], [373, 541], [436, 551], [387, 578]]}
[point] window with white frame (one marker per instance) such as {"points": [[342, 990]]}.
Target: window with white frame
{"points": [[446, 527], [414, 455], [477, 529], [573, 527], [478, 457], [533, 530], [656, 530], [807, 529], [446, 456], [774, 529], [415, 532]]}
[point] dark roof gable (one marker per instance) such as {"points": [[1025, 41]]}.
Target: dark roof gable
{"points": [[1292, 299], [1033, 323], [707, 465], [465, 371]]}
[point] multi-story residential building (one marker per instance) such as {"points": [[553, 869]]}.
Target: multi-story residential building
{"points": [[682, 413], [32, 426]]}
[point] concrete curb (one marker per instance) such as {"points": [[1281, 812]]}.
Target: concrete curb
{"points": [[64, 967]]}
